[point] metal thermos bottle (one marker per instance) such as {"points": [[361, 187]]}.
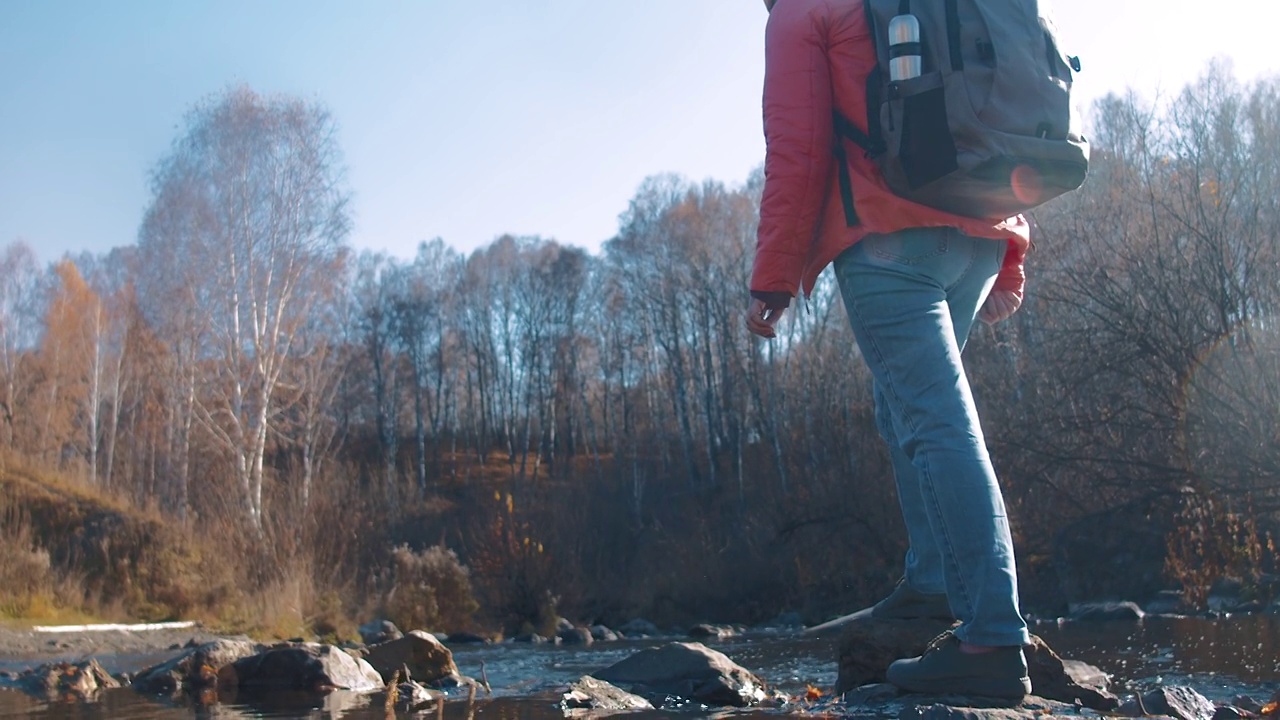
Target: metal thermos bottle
{"points": [[904, 47]]}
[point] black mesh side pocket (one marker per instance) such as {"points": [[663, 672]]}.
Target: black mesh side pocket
{"points": [[927, 151]]}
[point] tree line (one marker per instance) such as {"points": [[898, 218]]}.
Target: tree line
{"points": [[598, 434]]}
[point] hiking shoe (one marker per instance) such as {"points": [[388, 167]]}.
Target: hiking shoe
{"points": [[943, 669], [907, 603]]}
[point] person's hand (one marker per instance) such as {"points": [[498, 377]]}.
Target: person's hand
{"points": [[761, 320], [1000, 305]]}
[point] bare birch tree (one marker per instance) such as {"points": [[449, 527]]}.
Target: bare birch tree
{"points": [[257, 215], [19, 327]]}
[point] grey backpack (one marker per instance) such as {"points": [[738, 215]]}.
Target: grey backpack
{"points": [[969, 108]]}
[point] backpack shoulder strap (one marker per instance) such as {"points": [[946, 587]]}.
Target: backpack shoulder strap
{"points": [[846, 129]]}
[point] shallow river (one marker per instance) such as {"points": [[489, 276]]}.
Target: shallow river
{"points": [[1221, 658]]}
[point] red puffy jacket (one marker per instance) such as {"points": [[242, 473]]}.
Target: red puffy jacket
{"points": [[818, 54]]}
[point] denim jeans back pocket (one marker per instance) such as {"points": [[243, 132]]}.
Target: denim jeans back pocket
{"points": [[909, 247]]}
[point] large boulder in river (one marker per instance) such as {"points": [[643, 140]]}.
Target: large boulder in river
{"points": [[1175, 701], [688, 670], [576, 636], [427, 659], [306, 667], [1068, 681], [590, 693], [887, 701], [712, 632], [195, 669], [67, 681], [600, 633], [868, 646], [379, 631]]}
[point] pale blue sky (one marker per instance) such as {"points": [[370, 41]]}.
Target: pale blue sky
{"points": [[462, 119]]}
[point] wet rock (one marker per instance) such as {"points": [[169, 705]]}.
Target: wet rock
{"points": [[1230, 712], [713, 632], [884, 700], [869, 645], [410, 697], [379, 631], [639, 628], [532, 638], [688, 670], [425, 657], [1068, 681], [465, 638], [196, 669], [1247, 703], [305, 667], [1176, 701], [603, 634], [1106, 611], [575, 636], [872, 694], [287, 703], [959, 708], [72, 681], [562, 625], [589, 693]]}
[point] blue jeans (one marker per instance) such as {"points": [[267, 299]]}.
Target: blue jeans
{"points": [[912, 297]]}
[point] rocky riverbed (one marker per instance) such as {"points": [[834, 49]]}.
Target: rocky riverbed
{"points": [[759, 673]]}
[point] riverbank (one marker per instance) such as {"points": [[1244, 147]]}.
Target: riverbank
{"points": [[21, 648]]}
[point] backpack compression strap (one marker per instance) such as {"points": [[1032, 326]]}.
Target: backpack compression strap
{"points": [[846, 130]]}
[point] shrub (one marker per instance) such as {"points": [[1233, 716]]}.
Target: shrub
{"points": [[430, 589], [1209, 542]]}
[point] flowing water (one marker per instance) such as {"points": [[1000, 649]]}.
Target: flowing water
{"points": [[1221, 658]]}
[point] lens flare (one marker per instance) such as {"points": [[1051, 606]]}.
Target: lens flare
{"points": [[1026, 184]]}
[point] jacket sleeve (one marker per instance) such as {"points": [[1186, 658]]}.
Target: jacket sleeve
{"points": [[1012, 274], [798, 137]]}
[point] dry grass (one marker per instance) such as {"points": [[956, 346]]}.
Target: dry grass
{"points": [[72, 552]]}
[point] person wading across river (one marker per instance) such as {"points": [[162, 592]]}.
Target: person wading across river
{"points": [[913, 279]]}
